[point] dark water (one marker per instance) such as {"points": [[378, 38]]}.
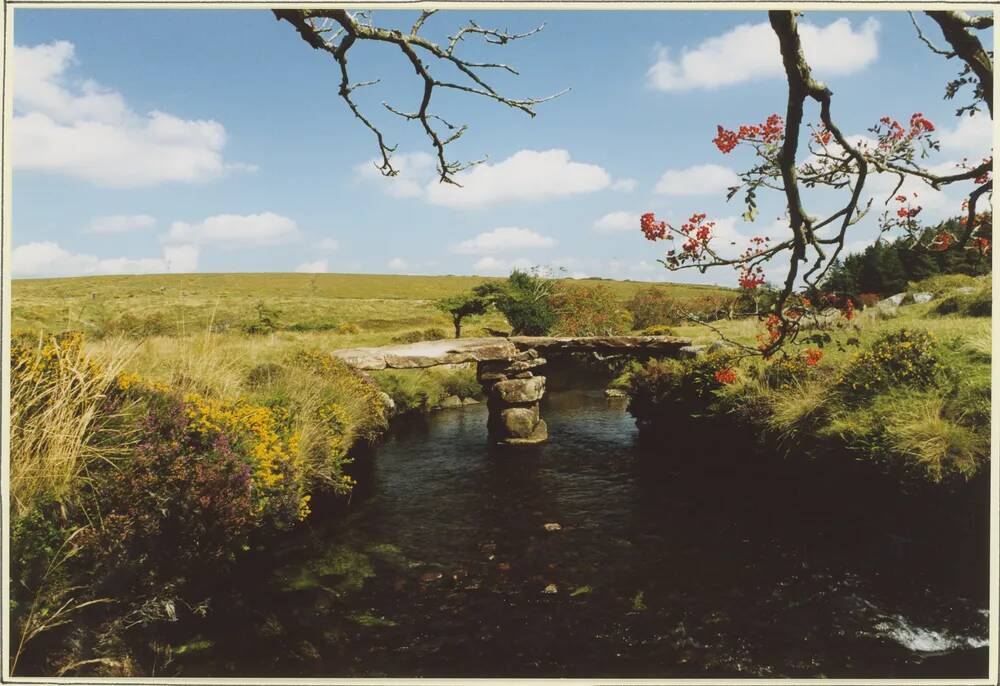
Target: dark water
{"points": [[666, 563]]}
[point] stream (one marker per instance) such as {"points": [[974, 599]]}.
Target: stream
{"points": [[598, 554]]}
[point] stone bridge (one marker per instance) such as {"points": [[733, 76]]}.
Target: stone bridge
{"points": [[508, 370]]}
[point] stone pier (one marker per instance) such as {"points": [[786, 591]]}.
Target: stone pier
{"points": [[513, 392]]}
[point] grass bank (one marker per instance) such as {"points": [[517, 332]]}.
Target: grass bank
{"points": [[904, 390]]}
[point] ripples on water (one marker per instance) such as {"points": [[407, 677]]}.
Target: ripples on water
{"points": [[666, 563]]}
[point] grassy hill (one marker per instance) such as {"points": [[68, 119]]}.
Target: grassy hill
{"points": [[179, 304]]}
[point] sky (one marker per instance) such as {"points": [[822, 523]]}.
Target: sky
{"points": [[152, 141]]}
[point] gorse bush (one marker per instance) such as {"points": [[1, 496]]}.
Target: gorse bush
{"points": [[590, 311], [898, 357], [123, 485]]}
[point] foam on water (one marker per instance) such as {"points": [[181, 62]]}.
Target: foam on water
{"points": [[922, 640]]}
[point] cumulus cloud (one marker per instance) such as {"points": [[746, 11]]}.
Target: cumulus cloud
{"points": [[626, 185], [526, 175], [235, 231], [702, 179], [397, 264], [750, 52], [617, 221], [314, 267], [120, 223], [503, 239], [47, 258], [973, 135], [80, 129], [329, 244]]}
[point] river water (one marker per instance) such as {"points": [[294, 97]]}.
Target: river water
{"points": [[598, 554]]}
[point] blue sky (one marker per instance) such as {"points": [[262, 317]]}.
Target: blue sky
{"points": [[214, 141]]}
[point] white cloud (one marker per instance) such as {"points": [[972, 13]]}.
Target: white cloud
{"points": [[618, 221], [750, 52], [503, 239], [49, 259], [415, 169], [329, 244], [973, 135], [626, 185], [525, 175], [120, 223], [492, 265], [81, 129], [397, 264], [235, 231], [314, 267], [702, 179]]}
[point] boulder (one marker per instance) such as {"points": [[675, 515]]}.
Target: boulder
{"points": [[519, 422], [519, 391], [922, 297], [525, 365], [387, 402], [539, 435], [470, 401], [615, 393], [895, 300], [719, 346], [692, 351], [451, 401]]}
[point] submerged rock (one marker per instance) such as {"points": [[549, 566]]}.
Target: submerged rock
{"points": [[552, 526], [451, 401], [550, 589]]}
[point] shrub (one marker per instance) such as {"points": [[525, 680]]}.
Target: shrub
{"points": [[712, 307], [266, 320], [461, 382], [347, 328], [185, 497], [975, 304], [421, 335], [657, 330], [898, 357], [653, 307], [411, 391], [868, 299], [666, 389], [526, 299], [590, 311]]}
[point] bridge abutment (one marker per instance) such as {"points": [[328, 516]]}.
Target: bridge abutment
{"points": [[513, 392]]}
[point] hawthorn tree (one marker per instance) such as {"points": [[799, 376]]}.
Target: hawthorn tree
{"points": [[461, 306]]}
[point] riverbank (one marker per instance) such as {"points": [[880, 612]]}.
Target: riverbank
{"points": [[904, 389]]}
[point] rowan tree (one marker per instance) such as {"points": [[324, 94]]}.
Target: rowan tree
{"points": [[811, 244]]}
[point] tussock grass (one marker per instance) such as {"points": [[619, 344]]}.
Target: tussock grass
{"points": [[919, 428], [59, 424]]}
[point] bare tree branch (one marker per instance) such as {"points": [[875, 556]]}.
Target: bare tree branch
{"points": [[314, 25]]}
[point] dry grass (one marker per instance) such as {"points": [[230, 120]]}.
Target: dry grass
{"points": [[919, 428], [59, 427]]}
